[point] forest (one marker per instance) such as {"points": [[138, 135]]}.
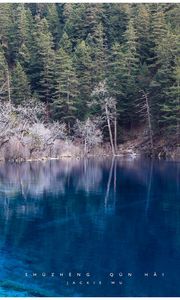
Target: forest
{"points": [[88, 74]]}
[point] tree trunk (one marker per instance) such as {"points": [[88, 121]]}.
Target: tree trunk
{"points": [[115, 179], [4, 142], [109, 183], [115, 134], [8, 87], [110, 131], [149, 122], [178, 117], [69, 127], [85, 147], [149, 186]]}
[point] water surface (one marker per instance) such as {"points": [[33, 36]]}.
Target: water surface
{"points": [[102, 227]]}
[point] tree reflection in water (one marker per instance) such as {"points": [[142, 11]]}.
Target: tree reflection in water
{"points": [[90, 215]]}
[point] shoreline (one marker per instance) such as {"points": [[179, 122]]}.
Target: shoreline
{"points": [[61, 150], [95, 156]]}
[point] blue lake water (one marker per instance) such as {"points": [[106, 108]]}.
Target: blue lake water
{"points": [[90, 228]]}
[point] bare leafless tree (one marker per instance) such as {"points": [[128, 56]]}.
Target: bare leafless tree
{"points": [[144, 108], [89, 132], [26, 125], [107, 104]]}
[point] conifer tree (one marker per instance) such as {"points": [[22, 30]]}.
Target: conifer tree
{"points": [[92, 18], [5, 24], [42, 64], [171, 108], [165, 52], [97, 43], [117, 70], [142, 22], [53, 22], [130, 50], [74, 17], [132, 47], [19, 85], [114, 22], [65, 43], [116, 78], [131, 69], [84, 69], [65, 98], [23, 33], [158, 32], [3, 76]]}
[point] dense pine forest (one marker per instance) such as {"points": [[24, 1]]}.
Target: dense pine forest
{"points": [[88, 73]]}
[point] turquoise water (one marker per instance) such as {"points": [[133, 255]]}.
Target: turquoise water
{"points": [[90, 228]]}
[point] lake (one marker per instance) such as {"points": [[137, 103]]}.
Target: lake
{"points": [[90, 228]]}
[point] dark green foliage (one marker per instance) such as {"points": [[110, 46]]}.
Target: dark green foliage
{"points": [[171, 107], [5, 25], [19, 85], [65, 97], [84, 69], [42, 62], [65, 43], [61, 52], [3, 76]]}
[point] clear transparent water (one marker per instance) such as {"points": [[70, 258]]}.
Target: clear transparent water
{"points": [[90, 216]]}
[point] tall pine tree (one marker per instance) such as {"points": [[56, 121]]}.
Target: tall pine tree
{"points": [[84, 69], [42, 64], [3, 76], [19, 85], [64, 106]]}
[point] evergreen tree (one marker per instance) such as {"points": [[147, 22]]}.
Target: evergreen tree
{"points": [[84, 69], [159, 25], [158, 32], [19, 85], [65, 43], [93, 18], [74, 18], [23, 29], [3, 76], [131, 53], [142, 23], [117, 70], [171, 108], [42, 64], [114, 19], [131, 69], [65, 98], [116, 77], [134, 48], [53, 22], [97, 43], [5, 24], [165, 52]]}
